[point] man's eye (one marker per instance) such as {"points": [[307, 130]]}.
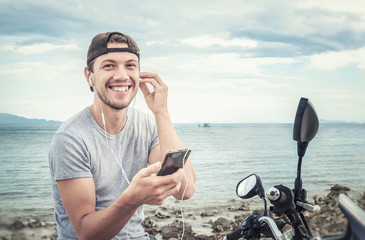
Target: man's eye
{"points": [[108, 66], [132, 65]]}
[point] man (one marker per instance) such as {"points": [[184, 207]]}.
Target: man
{"points": [[104, 159]]}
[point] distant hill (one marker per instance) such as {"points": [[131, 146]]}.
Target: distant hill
{"points": [[333, 121], [6, 118]]}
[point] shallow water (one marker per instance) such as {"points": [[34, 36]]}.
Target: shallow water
{"points": [[222, 155]]}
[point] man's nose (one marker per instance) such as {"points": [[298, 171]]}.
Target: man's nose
{"points": [[121, 74]]}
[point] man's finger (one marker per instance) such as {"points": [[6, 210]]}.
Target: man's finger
{"points": [[151, 81], [144, 89], [148, 171], [146, 76], [174, 178], [149, 75]]}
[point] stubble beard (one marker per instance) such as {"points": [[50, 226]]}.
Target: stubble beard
{"points": [[110, 104]]}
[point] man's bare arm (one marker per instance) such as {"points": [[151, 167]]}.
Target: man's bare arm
{"points": [[78, 198]]}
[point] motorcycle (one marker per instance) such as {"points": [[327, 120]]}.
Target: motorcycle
{"points": [[288, 204]]}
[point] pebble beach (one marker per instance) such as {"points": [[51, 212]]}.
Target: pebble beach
{"points": [[201, 222]]}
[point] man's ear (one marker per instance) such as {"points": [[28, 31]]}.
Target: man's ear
{"points": [[88, 77]]}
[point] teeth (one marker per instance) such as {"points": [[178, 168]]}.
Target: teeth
{"points": [[120, 89]]}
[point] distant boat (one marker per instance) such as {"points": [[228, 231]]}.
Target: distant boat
{"points": [[204, 125]]}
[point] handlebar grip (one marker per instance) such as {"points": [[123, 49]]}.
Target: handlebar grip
{"points": [[281, 197], [234, 235]]}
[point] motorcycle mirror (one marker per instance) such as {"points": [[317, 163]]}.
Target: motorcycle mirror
{"points": [[305, 125], [250, 187]]}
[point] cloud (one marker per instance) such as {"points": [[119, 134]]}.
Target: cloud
{"points": [[223, 56], [306, 27], [209, 40], [355, 6], [38, 72], [231, 65], [330, 61], [45, 18], [37, 48]]}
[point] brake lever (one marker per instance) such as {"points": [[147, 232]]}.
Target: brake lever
{"points": [[307, 206]]}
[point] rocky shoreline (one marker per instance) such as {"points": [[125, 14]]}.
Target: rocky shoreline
{"points": [[208, 222]]}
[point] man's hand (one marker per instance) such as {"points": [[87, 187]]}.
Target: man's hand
{"points": [[156, 100], [157, 103], [153, 190]]}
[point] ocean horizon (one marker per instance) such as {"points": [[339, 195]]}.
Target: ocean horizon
{"points": [[221, 154]]}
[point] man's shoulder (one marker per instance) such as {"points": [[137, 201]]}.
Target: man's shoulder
{"points": [[76, 122]]}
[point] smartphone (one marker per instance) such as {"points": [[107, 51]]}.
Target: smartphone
{"points": [[173, 160]]}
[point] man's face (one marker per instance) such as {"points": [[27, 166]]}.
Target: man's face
{"points": [[116, 77]]}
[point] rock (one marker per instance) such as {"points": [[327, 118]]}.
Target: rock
{"points": [[319, 199], [325, 224], [361, 202], [18, 236], [207, 225], [162, 214], [36, 223], [149, 226], [175, 230], [148, 223], [339, 188], [207, 214], [204, 237], [244, 207], [330, 220], [16, 225], [232, 209], [258, 211], [335, 191], [238, 219], [221, 225], [54, 236]]}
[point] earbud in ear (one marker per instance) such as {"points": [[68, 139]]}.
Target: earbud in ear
{"points": [[91, 84]]}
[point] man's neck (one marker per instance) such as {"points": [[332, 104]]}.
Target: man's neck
{"points": [[115, 120]]}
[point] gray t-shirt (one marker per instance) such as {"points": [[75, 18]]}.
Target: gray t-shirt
{"points": [[80, 149]]}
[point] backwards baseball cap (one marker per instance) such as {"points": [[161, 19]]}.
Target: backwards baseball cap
{"points": [[98, 46]]}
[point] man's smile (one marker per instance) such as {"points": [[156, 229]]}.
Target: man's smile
{"points": [[120, 88]]}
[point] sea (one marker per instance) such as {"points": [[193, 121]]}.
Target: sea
{"points": [[222, 155]]}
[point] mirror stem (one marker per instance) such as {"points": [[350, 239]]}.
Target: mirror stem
{"points": [[299, 168], [298, 189], [302, 147], [265, 207], [298, 180]]}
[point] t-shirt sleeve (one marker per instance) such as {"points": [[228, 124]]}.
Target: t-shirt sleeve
{"points": [[68, 157]]}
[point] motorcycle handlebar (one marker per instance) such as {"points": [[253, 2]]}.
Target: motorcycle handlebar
{"points": [[273, 227], [254, 225]]}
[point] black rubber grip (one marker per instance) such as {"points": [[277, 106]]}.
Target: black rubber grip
{"points": [[234, 235]]}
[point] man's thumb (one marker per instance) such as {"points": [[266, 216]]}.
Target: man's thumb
{"points": [[154, 168]]}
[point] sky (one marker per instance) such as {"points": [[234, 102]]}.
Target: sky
{"points": [[230, 61]]}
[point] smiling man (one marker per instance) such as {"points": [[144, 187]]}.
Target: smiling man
{"points": [[103, 160]]}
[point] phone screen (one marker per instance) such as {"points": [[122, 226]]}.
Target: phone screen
{"points": [[173, 160]]}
